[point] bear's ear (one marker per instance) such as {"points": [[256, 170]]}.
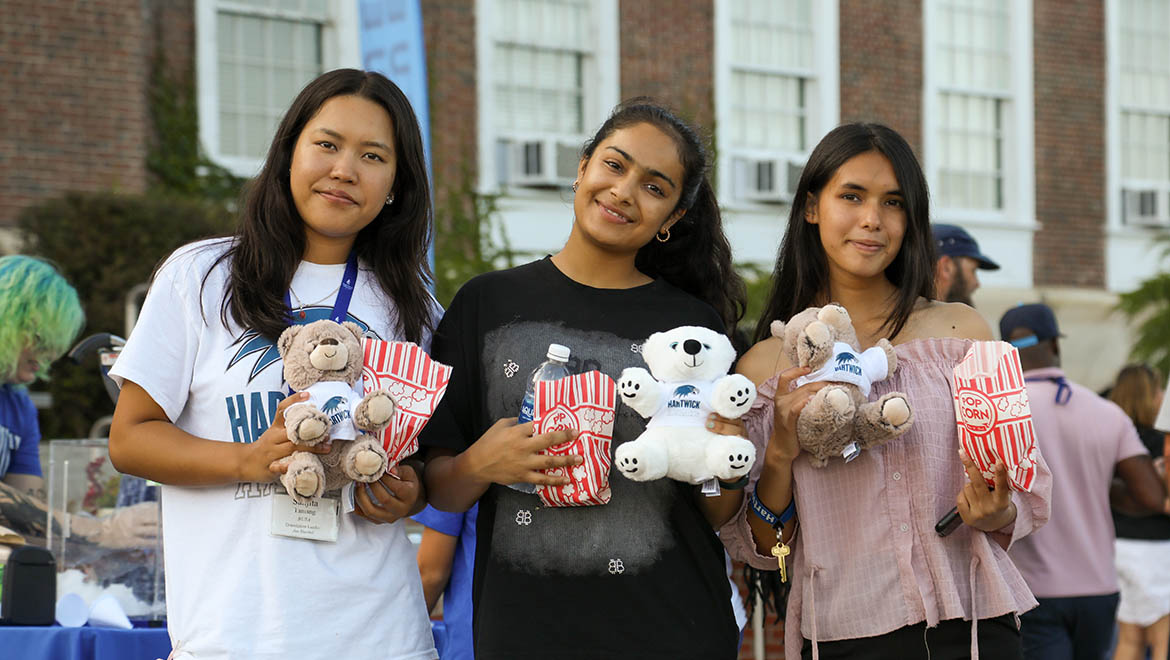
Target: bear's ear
{"points": [[285, 341], [778, 328], [355, 329]]}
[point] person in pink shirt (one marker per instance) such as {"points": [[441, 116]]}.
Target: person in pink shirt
{"points": [[870, 577], [1085, 439]]}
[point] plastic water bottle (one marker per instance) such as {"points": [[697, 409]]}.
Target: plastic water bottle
{"points": [[554, 368]]}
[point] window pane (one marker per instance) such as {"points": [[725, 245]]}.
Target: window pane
{"points": [[971, 171], [538, 89], [973, 44], [263, 63], [772, 35], [1144, 92]]}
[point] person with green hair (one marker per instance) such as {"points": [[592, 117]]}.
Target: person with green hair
{"points": [[41, 317]]}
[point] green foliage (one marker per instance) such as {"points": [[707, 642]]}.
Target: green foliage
{"points": [[759, 284], [467, 226], [104, 244], [174, 158], [1149, 306]]}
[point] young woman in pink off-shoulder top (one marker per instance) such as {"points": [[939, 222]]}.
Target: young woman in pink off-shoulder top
{"points": [[869, 576]]}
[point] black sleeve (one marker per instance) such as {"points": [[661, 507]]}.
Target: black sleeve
{"points": [[454, 423]]}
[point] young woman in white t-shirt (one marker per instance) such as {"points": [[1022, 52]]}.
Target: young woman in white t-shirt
{"points": [[343, 190]]}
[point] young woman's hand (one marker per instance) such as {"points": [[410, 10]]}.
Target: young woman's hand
{"points": [[508, 453], [273, 445], [393, 497], [783, 447], [717, 423], [981, 507]]}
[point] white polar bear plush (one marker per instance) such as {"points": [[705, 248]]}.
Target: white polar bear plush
{"points": [[689, 366]]}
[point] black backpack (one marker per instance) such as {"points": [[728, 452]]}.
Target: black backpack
{"points": [[30, 588]]}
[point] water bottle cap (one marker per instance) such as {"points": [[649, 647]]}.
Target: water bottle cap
{"points": [[558, 352]]}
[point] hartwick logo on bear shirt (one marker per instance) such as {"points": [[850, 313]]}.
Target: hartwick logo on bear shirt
{"points": [[847, 362]]}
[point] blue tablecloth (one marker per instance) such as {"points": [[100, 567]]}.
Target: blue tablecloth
{"points": [[85, 643]]}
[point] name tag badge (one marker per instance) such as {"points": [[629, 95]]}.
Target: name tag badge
{"points": [[317, 521]]}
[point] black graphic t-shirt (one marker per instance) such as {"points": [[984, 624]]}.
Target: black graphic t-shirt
{"points": [[640, 577]]}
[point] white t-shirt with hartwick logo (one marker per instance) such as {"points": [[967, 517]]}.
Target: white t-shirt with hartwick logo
{"points": [[849, 366], [234, 590], [337, 401], [686, 404]]}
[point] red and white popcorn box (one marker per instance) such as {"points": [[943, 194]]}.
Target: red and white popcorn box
{"points": [[584, 402], [992, 411], [417, 384]]}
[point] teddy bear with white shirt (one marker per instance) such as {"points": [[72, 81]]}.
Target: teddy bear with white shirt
{"points": [[839, 420], [687, 381], [324, 358]]}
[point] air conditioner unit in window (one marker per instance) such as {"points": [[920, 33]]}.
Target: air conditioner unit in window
{"points": [[770, 180], [1149, 207], [538, 163]]}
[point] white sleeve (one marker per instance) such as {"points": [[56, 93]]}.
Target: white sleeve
{"points": [[1162, 423], [875, 364], [159, 355]]}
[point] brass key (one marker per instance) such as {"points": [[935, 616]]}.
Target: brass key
{"points": [[780, 551]]}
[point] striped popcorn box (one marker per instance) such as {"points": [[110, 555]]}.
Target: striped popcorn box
{"points": [[992, 411], [417, 384], [584, 402]]}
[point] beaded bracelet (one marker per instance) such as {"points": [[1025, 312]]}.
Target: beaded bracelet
{"points": [[768, 516]]}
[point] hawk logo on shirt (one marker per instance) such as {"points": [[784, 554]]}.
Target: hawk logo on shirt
{"points": [[847, 362], [336, 409], [684, 397], [252, 342]]}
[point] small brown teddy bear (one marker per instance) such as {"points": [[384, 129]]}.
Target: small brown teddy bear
{"points": [[325, 359], [838, 420]]}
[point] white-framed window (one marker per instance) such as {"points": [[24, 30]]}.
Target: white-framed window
{"points": [[776, 93], [978, 130], [1139, 111], [252, 58], [547, 76]]}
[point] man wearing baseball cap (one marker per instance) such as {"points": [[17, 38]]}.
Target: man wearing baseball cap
{"points": [[1085, 439], [958, 259]]}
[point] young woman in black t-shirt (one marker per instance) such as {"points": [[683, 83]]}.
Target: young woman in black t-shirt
{"points": [[641, 576]]}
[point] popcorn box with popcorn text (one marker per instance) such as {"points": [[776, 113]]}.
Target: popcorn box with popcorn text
{"points": [[992, 412], [584, 402]]}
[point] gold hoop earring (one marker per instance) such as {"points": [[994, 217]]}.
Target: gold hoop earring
{"points": [[662, 238]]}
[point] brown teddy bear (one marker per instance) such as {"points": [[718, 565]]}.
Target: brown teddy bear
{"points": [[838, 420], [325, 359]]}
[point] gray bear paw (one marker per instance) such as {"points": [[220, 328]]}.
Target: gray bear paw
{"points": [[305, 479], [364, 461]]}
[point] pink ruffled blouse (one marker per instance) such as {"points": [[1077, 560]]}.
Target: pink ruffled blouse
{"points": [[866, 559]]}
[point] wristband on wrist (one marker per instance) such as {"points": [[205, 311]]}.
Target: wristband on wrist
{"points": [[767, 515], [734, 485]]}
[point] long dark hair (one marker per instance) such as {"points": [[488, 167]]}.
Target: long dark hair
{"points": [[697, 257], [270, 236], [801, 277]]}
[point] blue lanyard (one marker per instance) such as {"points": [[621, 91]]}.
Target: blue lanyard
{"points": [[344, 294], [1063, 391]]}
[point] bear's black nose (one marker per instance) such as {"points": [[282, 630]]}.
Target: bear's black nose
{"points": [[329, 341], [692, 347]]}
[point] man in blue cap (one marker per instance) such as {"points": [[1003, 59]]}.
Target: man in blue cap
{"points": [[1086, 440], [955, 277]]}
